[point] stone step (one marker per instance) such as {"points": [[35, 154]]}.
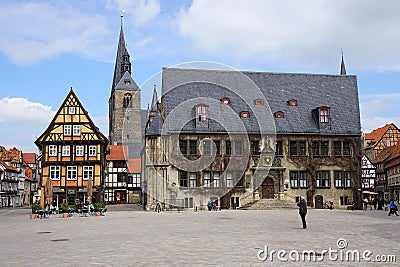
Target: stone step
{"points": [[269, 204]]}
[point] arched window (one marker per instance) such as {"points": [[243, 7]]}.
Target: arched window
{"points": [[127, 101]]}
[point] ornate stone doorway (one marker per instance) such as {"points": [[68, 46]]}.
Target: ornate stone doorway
{"points": [[267, 188]]}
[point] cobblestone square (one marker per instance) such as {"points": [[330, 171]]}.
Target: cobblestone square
{"points": [[223, 238]]}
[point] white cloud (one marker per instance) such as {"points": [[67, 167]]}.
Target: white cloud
{"points": [[310, 32], [32, 31], [18, 111], [378, 110], [138, 11], [22, 121], [373, 123]]}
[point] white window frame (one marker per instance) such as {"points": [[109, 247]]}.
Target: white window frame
{"points": [[216, 177], [201, 113], [192, 179], [87, 172], [324, 115], [92, 151], [79, 151], [52, 150], [55, 172], [135, 179], [72, 173], [67, 130], [229, 179], [346, 179], [303, 179], [207, 179], [66, 151], [76, 130], [71, 110]]}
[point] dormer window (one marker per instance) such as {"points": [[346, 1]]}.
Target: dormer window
{"points": [[323, 114], [127, 82], [201, 112], [292, 102], [226, 101], [245, 114], [259, 102], [279, 115]]}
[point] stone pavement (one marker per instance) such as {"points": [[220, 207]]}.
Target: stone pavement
{"points": [[223, 238]]}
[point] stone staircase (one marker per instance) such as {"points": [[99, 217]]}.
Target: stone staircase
{"points": [[270, 204]]}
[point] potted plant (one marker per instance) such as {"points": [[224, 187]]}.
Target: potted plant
{"points": [[64, 209], [35, 208], [98, 206]]}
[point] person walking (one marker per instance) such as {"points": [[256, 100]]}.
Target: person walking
{"points": [[158, 207], [393, 208], [303, 211]]}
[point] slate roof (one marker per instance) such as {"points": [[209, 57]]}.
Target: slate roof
{"points": [[123, 85], [182, 89], [121, 50], [156, 125]]}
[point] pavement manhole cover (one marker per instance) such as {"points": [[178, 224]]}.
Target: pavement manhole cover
{"points": [[59, 240], [44, 232]]}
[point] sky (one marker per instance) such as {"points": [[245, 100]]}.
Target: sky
{"points": [[47, 47]]}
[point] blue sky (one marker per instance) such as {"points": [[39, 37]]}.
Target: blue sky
{"points": [[48, 46]]}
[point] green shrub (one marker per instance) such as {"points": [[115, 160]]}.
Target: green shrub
{"points": [[64, 207], [98, 206], [35, 208]]}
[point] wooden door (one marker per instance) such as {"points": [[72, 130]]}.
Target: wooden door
{"points": [[268, 188]]}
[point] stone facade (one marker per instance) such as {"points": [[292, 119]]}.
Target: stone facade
{"points": [[190, 158]]}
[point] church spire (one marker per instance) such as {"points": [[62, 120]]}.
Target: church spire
{"points": [[342, 67], [155, 100], [122, 61]]}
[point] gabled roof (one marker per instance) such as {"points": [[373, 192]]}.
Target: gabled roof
{"points": [[126, 83], [394, 158], [8, 167], [71, 97], [338, 92], [156, 125], [117, 153], [29, 158], [376, 135], [383, 155], [13, 155]]}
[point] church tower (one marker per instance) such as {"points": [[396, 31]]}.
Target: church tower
{"points": [[124, 103]]}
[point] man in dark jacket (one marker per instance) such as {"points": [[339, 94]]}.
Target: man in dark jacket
{"points": [[303, 211]]}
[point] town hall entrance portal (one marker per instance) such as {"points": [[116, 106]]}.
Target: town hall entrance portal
{"points": [[267, 188]]}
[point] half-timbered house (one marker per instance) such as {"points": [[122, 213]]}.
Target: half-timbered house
{"points": [[73, 151], [123, 177], [367, 174], [380, 138]]}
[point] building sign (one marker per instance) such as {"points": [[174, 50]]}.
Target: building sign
{"points": [[71, 191]]}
